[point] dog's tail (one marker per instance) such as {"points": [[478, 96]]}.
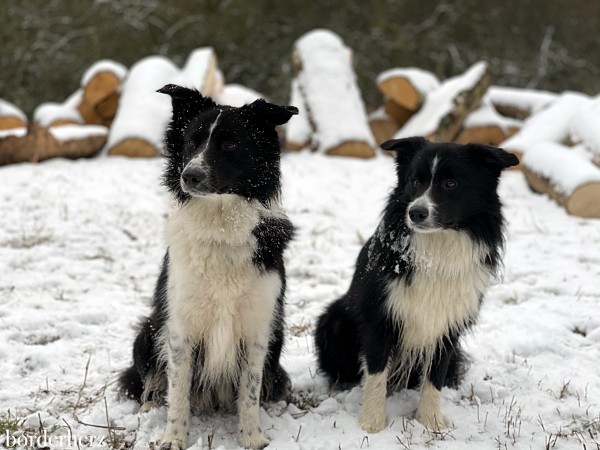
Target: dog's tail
{"points": [[131, 384], [337, 345]]}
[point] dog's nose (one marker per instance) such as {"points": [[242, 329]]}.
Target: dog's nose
{"points": [[193, 176], [418, 214]]}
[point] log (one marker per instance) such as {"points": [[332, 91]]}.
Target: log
{"points": [[40, 143], [331, 95], [585, 128], [519, 103], [100, 84], [407, 87], [486, 126], [134, 147], [441, 116], [298, 130], [201, 72], [382, 126], [399, 113], [569, 179], [550, 125], [11, 116]]}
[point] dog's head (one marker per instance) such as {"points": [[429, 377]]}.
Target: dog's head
{"points": [[214, 149], [447, 185]]}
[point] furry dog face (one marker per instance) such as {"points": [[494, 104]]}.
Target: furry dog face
{"points": [[214, 149], [446, 186]]}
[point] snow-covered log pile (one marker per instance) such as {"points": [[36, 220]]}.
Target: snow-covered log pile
{"points": [[445, 108], [557, 147], [11, 116], [37, 143], [331, 97], [143, 114], [298, 130], [519, 103], [486, 126]]}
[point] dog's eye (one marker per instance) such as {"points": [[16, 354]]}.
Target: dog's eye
{"points": [[229, 145], [450, 184], [416, 182]]}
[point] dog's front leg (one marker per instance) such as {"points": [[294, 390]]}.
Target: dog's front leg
{"points": [[249, 394], [429, 411], [179, 375], [375, 343]]}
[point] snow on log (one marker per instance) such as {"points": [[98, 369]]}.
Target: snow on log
{"points": [[550, 125], [441, 116], [519, 103], [237, 95], [298, 130], [407, 87], [11, 116], [382, 125], [331, 96], [100, 82], [40, 143], [486, 126], [54, 114], [585, 128], [571, 180], [143, 114]]}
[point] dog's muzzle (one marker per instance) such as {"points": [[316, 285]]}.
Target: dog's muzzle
{"points": [[193, 179]]}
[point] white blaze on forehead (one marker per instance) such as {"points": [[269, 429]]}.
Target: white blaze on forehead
{"points": [[198, 161], [434, 165]]}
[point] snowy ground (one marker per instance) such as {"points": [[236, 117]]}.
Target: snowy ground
{"points": [[80, 247]]}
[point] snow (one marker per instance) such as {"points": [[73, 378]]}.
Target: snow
{"points": [[144, 113], [529, 100], [80, 248], [237, 95], [17, 132], [486, 115], [440, 102], [75, 132], [551, 124], [104, 65], [8, 109], [298, 129], [422, 80], [46, 113], [585, 125], [328, 84], [565, 170]]}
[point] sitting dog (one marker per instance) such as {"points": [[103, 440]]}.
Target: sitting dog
{"points": [[216, 331], [419, 280]]}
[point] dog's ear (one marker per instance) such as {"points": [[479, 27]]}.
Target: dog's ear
{"points": [[270, 113], [405, 148], [187, 103], [494, 158]]}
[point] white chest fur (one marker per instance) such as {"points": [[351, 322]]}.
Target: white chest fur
{"points": [[444, 292], [217, 296]]}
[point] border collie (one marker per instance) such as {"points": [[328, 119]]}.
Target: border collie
{"points": [[216, 331], [419, 280]]}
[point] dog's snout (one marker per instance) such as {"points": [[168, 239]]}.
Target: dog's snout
{"points": [[193, 176], [418, 214]]}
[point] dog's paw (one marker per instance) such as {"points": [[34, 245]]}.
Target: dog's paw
{"points": [[175, 444], [147, 406], [254, 441], [433, 420], [372, 423]]}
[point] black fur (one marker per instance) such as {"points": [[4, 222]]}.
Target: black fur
{"points": [[242, 158], [358, 325]]}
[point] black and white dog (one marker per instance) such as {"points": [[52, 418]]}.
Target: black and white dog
{"points": [[419, 280], [217, 327]]}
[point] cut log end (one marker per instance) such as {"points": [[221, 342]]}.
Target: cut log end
{"points": [[355, 149], [10, 122], [135, 148], [99, 87], [295, 146], [583, 202], [491, 135], [397, 112], [401, 91], [383, 129]]}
